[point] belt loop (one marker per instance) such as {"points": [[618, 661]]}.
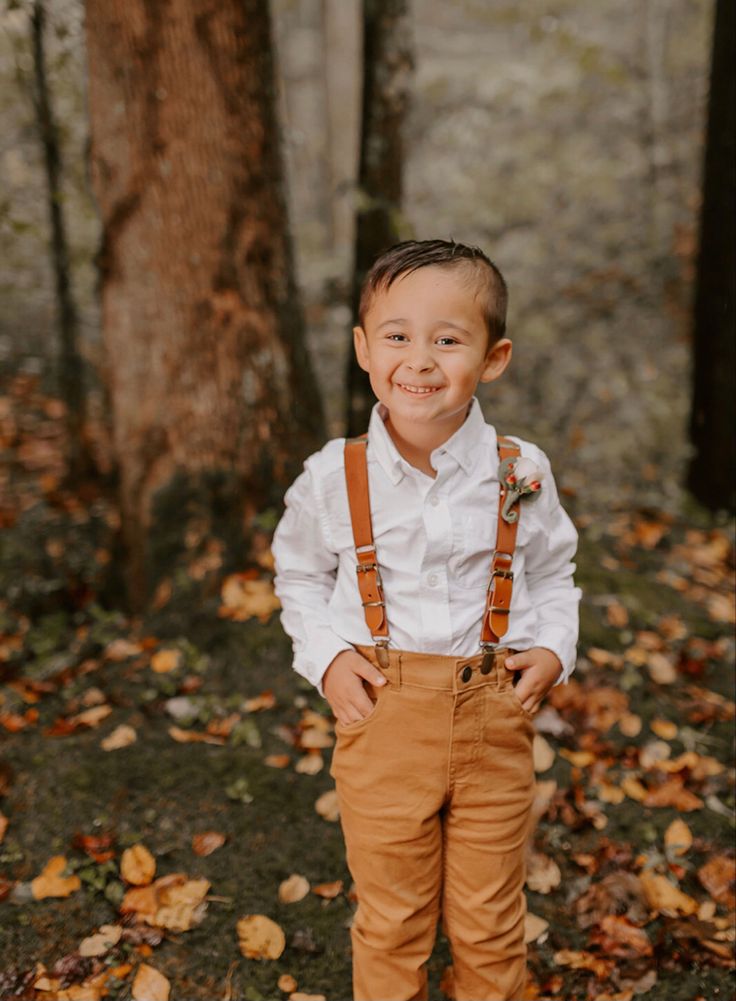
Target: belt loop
{"points": [[382, 653]]}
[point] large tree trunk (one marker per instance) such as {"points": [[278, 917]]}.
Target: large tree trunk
{"points": [[79, 462], [711, 474], [213, 399], [387, 62]]}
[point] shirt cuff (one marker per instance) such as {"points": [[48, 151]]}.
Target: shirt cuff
{"points": [[312, 661], [558, 640]]}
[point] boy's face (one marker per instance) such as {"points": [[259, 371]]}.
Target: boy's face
{"points": [[425, 348]]}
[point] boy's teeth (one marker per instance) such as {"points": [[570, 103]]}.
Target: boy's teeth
{"points": [[418, 389]]}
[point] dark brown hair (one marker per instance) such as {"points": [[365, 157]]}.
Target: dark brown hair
{"points": [[403, 258]]}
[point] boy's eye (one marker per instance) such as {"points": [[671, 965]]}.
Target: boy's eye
{"points": [[446, 340], [396, 337]]}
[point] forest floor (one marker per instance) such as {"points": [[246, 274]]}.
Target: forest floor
{"points": [[182, 748]]}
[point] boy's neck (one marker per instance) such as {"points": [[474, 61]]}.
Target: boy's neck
{"points": [[416, 442]]}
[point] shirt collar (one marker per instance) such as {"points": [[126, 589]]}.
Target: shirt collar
{"points": [[464, 446]]}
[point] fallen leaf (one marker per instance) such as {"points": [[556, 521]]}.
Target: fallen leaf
{"points": [[286, 983], [293, 889], [616, 615], [673, 793], [579, 960], [543, 873], [718, 876], [259, 937], [534, 928], [266, 700], [101, 941], [314, 738], [207, 842], [327, 806], [121, 736], [164, 661], [328, 890], [172, 901], [609, 793], [310, 764], [620, 937], [664, 728], [90, 717], [300, 996], [664, 897], [244, 598], [150, 985], [50, 882], [581, 759], [137, 865], [661, 669], [194, 736], [630, 724], [633, 788], [121, 649], [277, 760], [678, 837], [544, 753]]}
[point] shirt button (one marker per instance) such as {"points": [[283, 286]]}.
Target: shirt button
{"points": [[432, 579], [434, 501]]}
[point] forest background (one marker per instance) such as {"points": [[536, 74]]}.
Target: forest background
{"points": [[568, 140]]}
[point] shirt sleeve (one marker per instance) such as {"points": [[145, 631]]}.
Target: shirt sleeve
{"points": [[306, 570], [549, 576]]}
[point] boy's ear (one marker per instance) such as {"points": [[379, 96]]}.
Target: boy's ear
{"points": [[361, 348], [497, 360]]}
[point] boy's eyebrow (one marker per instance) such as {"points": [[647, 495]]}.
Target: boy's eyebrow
{"points": [[437, 323]]}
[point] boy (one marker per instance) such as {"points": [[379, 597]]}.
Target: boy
{"points": [[433, 758]]}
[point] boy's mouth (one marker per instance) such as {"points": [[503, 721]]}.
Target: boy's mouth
{"points": [[417, 390]]}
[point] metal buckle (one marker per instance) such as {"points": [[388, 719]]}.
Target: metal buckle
{"points": [[373, 604]]}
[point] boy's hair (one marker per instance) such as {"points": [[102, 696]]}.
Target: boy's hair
{"points": [[411, 255]]}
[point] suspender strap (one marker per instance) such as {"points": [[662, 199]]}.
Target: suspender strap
{"points": [[498, 596], [369, 578]]}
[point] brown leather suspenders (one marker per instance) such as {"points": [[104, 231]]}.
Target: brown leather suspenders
{"points": [[498, 596]]}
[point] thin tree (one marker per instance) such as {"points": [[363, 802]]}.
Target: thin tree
{"points": [[711, 477], [387, 65], [70, 362], [213, 399]]}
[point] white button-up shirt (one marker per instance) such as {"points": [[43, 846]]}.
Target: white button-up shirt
{"points": [[434, 539]]}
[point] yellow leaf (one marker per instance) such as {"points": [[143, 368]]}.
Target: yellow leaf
{"points": [[244, 598], [91, 717], [633, 788], [137, 865], [101, 942], [150, 985], [287, 983], [534, 927], [544, 754], [310, 764], [609, 793], [630, 724], [678, 837], [164, 661], [50, 883], [578, 758], [327, 805], [121, 736], [293, 889], [543, 873], [665, 897], [312, 738], [259, 937], [661, 669], [664, 728]]}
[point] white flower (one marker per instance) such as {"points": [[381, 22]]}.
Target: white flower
{"points": [[526, 476]]}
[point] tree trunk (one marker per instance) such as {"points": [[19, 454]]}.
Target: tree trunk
{"points": [[213, 399], [387, 63], [711, 474], [79, 462]]}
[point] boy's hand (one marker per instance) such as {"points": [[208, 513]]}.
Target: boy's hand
{"points": [[343, 686], [541, 669]]}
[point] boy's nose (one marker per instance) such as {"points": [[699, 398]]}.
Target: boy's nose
{"points": [[420, 361]]}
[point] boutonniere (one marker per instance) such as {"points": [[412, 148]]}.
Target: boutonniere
{"points": [[522, 478]]}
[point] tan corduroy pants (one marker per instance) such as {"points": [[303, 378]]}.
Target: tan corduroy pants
{"points": [[435, 788]]}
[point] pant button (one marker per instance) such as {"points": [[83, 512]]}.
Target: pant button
{"points": [[467, 673], [485, 667]]}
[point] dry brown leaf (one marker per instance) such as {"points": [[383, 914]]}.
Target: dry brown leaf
{"points": [[543, 873], [3, 826], [327, 806], [244, 598], [609, 793], [91, 717], [616, 615], [718, 876], [617, 929], [664, 728], [277, 760], [287, 983], [121, 649], [150, 985], [259, 937], [101, 942], [534, 927], [630, 724], [313, 738], [701, 766], [310, 718], [328, 890], [173, 902], [293, 889], [50, 882], [301, 996], [579, 960], [633, 788], [137, 865], [678, 837], [164, 661], [544, 753], [310, 764], [182, 736], [664, 897], [673, 793], [653, 752], [121, 736], [207, 842], [721, 608], [581, 759], [661, 668], [266, 700]]}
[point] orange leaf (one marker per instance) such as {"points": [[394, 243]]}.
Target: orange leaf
{"points": [[50, 883], [150, 985], [137, 865], [328, 890], [259, 937], [207, 842], [293, 889]]}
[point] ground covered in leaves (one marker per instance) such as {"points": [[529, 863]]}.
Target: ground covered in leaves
{"points": [[167, 823]]}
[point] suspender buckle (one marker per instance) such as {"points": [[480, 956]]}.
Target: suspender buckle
{"points": [[370, 568]]}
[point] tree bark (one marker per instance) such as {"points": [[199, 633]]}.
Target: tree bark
{"points": [[711, 473], [213, 399], [79, 462], [387, 64]]}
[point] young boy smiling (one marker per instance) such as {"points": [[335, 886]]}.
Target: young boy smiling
{"points": [[433, 758]]}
